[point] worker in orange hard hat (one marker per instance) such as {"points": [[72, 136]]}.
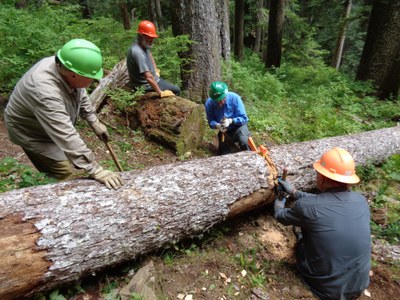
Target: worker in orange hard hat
{"points": [[142, 68], [334, 245]]}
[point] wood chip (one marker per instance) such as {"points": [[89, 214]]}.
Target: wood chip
{"points": [[244, 273], [367, 293], [181, 296]]}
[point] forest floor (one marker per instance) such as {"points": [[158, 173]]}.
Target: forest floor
{"points": [[248, 257]]}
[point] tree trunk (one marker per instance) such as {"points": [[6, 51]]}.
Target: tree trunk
{"points": [[85, 9], [152, 12], [174, 122], [54, 234], [205, 23], [126, 20], [239, 29], [337, 55], [257, 43], [380, 59], [275, 28], [159, 15]]}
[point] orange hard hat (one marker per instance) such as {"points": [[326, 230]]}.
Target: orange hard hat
{"points": [[147, 28], [338, 165]]}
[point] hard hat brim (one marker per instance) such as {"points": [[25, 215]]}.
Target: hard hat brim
{"points": [[351, 179]]}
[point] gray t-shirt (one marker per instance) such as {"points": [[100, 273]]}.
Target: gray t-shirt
{"points": [[334, 255], [138, 61]]}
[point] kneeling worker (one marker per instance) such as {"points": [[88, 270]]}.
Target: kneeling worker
{"points": [[333, 250], [43, 109], [225, 112]]}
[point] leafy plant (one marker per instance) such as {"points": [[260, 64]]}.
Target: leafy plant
{"points": [[123, 99], [14, 175]]}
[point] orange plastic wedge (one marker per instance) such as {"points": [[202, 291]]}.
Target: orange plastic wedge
{"points": [[251, 144]]}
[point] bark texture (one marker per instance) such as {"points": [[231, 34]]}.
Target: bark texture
{"points": [[258, 41], [337, 55], [79, 227], [239, 29], [275, 28], [118, 78], [206, 24], [174, 122], [54, 234], [380, 59], [366, 147]]}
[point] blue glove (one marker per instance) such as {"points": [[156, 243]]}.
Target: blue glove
{"points": [[279, 203], [286, 186]]}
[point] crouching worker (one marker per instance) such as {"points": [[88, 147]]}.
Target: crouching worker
{"points": [[43, 109], [225, 112], [334, 246]]}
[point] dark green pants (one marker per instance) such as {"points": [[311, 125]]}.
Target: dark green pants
{"points": [[61, 170]]}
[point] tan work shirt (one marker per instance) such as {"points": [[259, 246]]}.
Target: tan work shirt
{"points": [[42, 112]]}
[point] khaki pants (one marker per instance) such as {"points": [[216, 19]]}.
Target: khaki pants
{"points": [[61, 170]]}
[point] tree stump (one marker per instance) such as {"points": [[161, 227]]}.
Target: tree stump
{"points": [[173, 122]]}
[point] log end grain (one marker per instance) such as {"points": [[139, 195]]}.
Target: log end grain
{"points": [[23, 265]]}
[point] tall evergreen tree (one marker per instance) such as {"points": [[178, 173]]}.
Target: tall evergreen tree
{"points": [[206, 22], [380, 60], [239, 29], [275, 27]]}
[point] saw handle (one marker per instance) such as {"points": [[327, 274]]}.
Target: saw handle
{"points": [[284, 174]]}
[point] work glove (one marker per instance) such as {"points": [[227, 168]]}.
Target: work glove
{"points": [[100, 130], [226, 122], [158, 72], [107, 177], [220, 127], [278, 204], [166, 93], [286, 186]]}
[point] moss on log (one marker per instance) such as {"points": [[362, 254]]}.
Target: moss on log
{"points": [[174, 122]]}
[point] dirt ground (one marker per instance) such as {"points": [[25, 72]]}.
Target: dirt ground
{"points": [[249, 257]]}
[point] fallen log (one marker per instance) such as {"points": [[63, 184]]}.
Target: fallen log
{"points": [[173, 122], [118, 78], [54, 234]]}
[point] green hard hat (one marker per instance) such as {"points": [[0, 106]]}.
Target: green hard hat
{"points": [[218, 90], [82, 57]]}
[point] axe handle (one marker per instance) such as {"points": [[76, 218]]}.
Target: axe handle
{"points": [[114, 156]]}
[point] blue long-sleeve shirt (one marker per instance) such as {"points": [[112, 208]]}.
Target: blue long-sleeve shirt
{"points": [[232, 109], [334, 255]]}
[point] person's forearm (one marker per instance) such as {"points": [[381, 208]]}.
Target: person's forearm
{"points": [[299, 194], [154, 84]]}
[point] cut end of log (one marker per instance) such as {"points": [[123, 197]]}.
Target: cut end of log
{"points": [[23, 265], [174, 122]]}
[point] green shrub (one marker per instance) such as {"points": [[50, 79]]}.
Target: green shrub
{"points": [[14, 175]]}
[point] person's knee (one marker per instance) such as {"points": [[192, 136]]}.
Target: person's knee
{"points": [[243, 142], [177, 90], [60, 170]]}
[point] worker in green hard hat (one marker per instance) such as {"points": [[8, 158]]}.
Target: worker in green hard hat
{"points": [[43, 109], [225, 112]]}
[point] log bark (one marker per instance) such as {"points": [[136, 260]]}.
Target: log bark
{"points": [[118, 78], [174, 122], [54, 234]]}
